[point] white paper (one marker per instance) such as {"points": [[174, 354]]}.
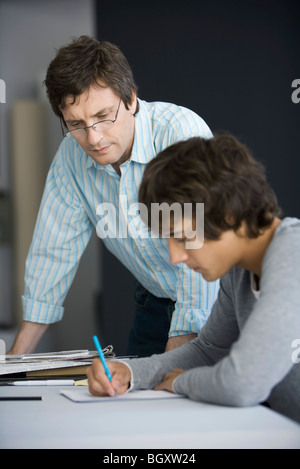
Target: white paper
{"points": [[38, 361], [59, 355], [12, 368], [68, 355], [84, 395]]}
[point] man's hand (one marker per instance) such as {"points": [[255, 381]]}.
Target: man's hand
{"points": [[175, 342], [99, 384], [167, 383]]}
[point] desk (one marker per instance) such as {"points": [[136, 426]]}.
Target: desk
{"points": [[57, 422]]}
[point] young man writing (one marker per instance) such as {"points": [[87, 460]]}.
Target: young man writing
{"points": [[244, 355], [111, 135]]}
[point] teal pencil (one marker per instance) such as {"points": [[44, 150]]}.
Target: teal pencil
{"points": [[102, 357]]}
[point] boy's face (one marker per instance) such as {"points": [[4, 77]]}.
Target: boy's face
{"points": [[213, 259], [111, 143]]}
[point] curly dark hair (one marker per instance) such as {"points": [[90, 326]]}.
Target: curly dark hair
{"points": [[219, 172], [86, 62]]}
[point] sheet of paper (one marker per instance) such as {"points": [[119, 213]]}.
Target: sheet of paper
{"points": [[12, 368], [83, 395], [65, 355], [72, 354]]}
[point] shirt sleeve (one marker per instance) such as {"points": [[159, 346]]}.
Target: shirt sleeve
{"points": [[186, 124], [195, 299], [195, 296], [61, 234]]}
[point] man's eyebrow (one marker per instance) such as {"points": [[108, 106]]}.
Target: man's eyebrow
{"points": [[103, 111], [71, 121]]}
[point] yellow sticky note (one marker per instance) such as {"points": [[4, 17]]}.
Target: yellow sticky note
{"points": [[81, 382]]}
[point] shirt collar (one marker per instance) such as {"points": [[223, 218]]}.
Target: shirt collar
{"points": [[143, 149]]}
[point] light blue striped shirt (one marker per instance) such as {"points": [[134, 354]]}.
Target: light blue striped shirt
{"points": [[73, 204]]}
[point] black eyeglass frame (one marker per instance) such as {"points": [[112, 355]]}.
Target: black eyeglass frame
{"points": [[65, 134]]}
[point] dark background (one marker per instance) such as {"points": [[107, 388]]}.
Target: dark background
{"points": [[233, 63]]}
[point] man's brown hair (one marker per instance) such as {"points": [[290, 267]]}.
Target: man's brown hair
{"points": [[219, 172], [87, 62]]}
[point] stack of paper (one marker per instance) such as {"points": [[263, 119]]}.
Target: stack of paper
{"points": [[65, 363]]}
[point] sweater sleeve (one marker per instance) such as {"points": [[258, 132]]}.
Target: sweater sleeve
{"points": [[262, 356], [211, 345], [239, 368]]}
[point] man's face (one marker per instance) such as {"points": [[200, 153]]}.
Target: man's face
{"points": [[108, 144]]}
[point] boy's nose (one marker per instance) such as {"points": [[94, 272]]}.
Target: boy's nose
{"points": [[177, 252]]}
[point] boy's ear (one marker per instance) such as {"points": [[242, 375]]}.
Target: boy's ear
{"points": [[241, 231], [229, 219]]}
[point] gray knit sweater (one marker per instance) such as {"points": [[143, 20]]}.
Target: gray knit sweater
{"points": [[247, 351]]}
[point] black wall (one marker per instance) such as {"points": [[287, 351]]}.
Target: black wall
{"points": [[232, 62]]}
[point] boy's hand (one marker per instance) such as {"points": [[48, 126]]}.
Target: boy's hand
{"points": [[99, 384], [167, 383]]}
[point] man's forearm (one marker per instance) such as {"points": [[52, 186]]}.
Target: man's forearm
{"points": [[175, 342], [28, 337]]}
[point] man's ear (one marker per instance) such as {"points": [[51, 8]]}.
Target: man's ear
{"points": [[133, 105]]}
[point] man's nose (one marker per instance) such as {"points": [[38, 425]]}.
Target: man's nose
{"points": [[94, 135]]}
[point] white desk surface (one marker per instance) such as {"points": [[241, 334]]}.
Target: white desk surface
{"points": [[57, 422]]}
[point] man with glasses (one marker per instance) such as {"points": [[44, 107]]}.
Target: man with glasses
{"points": [[110, 136]]}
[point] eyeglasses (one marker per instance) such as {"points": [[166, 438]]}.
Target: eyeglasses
{"points": [[82, 131]]}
